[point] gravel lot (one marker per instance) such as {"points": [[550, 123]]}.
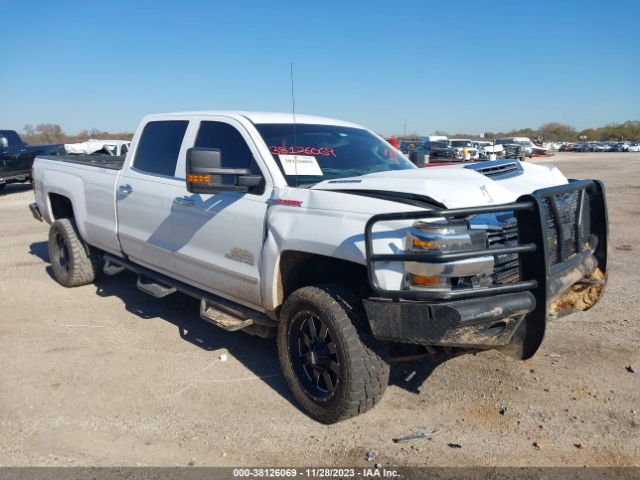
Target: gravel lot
{"points": [[106, 375]]}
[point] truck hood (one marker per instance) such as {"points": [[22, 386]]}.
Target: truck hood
{"points": [[456, 186]]}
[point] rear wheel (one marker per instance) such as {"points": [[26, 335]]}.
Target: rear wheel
{"points": [[333, 366], [73, 262]]}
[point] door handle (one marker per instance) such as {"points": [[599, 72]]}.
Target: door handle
{"points": [[184, 201], [125, 189]]}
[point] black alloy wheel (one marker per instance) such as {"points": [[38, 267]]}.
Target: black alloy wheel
{"points": [[60, 252], [314, 356]]}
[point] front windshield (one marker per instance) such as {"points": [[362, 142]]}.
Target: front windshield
{"points": [[326, 152], [461, 143]]}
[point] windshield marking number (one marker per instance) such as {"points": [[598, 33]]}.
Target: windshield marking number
{"points": [[324, 151]]}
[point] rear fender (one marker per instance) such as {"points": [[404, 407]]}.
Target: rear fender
{"points": [[69, 186]]}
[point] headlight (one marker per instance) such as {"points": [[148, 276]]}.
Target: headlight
{"points": [[446, 237]]}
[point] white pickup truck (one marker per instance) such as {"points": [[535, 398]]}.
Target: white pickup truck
{"points": [[320, 233]]}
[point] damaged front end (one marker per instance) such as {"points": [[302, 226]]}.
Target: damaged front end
{"points": [[581, 296], [545, 259]]}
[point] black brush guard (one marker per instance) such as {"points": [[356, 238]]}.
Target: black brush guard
{"points": [[510, 316]]}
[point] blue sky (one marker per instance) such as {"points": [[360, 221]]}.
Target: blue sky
{"points": [[457, 66]]}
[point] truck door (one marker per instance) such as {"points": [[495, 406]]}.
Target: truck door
{"points": [[219, 237], [145, 194], [14, 157]]}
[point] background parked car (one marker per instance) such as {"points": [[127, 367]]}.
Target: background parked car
{"points": [[434, 150], [486, 149], [633, 147], [465, 147], [567, 147], [16, 157], [406, 146], [620, 147], [393, 141]]}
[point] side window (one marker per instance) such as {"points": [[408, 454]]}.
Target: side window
{"points": [[124, 149], [13, 138], [159, 147], [234, 150]]}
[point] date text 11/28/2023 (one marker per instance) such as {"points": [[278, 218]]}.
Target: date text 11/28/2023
{"points": [[315, 472]]}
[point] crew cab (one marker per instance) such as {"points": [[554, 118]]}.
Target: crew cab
{"points": [[320, 233], [16, 157]]}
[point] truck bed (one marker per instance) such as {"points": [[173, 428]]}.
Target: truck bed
{"points": [[89, 182], [100, 161]]}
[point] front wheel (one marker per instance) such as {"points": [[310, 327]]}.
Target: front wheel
{"points": [[332, 364]]}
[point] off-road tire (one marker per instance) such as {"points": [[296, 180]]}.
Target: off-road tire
{"points": [[363, 374], [80, 265]]}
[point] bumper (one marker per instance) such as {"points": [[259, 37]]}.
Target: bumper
{"points": [[476, 323], [35, 211], [562, 251]]}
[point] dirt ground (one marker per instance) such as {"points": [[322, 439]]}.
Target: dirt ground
{"points": [[106, 375]]}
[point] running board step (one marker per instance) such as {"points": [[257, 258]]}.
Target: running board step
{"points": [[152, 288], [216, 310], [109, 268], [223, 316]]}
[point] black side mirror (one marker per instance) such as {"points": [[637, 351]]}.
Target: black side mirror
{"points": [[204, 173]]}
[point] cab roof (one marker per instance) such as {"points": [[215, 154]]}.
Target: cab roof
{"points": [[263, 117]]}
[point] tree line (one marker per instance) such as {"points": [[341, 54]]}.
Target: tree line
{"points": [[48, 133], [560, 132]]}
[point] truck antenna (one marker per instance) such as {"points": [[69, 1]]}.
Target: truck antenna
{"points": [[293, 111]]}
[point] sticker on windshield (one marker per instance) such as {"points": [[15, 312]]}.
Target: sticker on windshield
{"points": [[300, 165]]}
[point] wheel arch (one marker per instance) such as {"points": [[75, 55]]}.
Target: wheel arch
{"points": [[296, 269], [60, 206], [65, 197]]}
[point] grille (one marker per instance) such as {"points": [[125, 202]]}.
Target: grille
{"points": [[442, 154], [560, 216], [507, 266]]}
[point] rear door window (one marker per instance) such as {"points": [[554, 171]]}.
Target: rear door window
{"points": [[159, 146]]}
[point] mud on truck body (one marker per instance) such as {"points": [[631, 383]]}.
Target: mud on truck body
{"points": [[321, 234]]}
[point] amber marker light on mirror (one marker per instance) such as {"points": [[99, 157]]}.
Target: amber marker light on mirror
{"points": [[192, 178]]}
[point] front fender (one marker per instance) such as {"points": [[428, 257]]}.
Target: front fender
{"points": [[334, 234]]}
